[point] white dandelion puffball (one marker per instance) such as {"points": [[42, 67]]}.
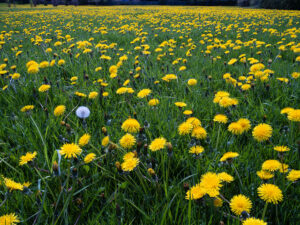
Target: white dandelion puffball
{"points": [[83, 112]]}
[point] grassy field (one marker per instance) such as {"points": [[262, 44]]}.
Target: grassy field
{"points": [[191, 115]]}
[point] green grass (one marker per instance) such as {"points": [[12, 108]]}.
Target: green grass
{"points": [[99, 193]]}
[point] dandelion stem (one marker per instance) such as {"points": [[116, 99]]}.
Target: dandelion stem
{"points": [[265, 210], [224, 198], [218, 136], [238, 175]]}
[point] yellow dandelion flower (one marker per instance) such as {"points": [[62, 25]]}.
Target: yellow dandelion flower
{"points": [[271, 165], [199, 133], [192, 82], [84, 140], [294, 115], [264, 175], [293, 175], [89, 158], [262, 132], [197, 150], [59, 110], [270, 193], [196, 192], [194, 121], [105, 141], [153, 102], [240, 203], [211, 183], [130, 164], [26, 108], [185, 128], [286, 110], [128, 155], [131, 125], [158, 144], [12, 185], [143, 93], [127, 141], [253, 221], [44, 88], [225, 177], [235, 128], [70, 150], [281, 148], [93, 95], [229, 156], [28, 157], [9, 219], [220, 118], [245, 123], [180, 104], [218, 202]]}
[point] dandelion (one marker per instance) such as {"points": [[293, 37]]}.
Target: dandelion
{"points": [[220, 118], [158, 144], [199, 133], [9, 219], [264, 175], [61, 62], [143, 93], [293, 175], [153, 102], [197, 150], [225, 177], [286, 110], [185, 128], [228, 156], [44, 64], [44, 88], [82, 112], [211, 183], [253, 221], [27, 108], [232, 61], [262, 132], [294, 115], [271, 165], [240, 203], [187, 112], [245, 124], [192, 82], [28, 157], [194, 121], [127, 141], [270, 193], [105, 141], [281, 148], [128, 155], [196, 192], [180, 104], [235, 128], [93, 95], [84, 140], [12, 185], [89, 158], [70, 150], [130, 164], [218, 202], [59, 110], [131, 125]]}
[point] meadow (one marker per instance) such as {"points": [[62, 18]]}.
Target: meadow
{"points": [[149, 115]]}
